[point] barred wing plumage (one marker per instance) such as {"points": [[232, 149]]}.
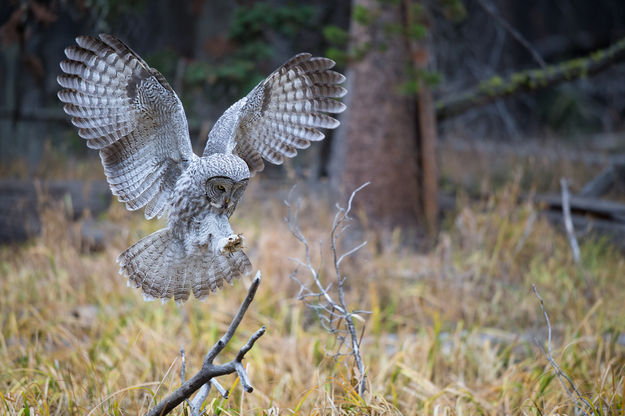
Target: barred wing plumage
{"points": [[282, 113], [128, 111]]}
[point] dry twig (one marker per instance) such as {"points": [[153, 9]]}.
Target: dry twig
{"points": [[332, 313], [490, 9], [566, 382], [568, 223], [206, 376]]}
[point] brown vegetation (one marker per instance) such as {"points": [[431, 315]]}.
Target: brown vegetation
{"points": [[452, 330]]}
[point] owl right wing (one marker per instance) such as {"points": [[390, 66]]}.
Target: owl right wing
{"points": [[128, 111], [281, 114]]}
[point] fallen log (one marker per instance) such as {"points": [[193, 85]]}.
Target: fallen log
{"points": [[588, 215], [580, 205], [602, 183], [584, 224], [22, 201]]}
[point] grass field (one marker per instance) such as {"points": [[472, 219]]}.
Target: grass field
{"points": [[452, 329]]}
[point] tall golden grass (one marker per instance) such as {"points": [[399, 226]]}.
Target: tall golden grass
{"points": [[451, 331]]}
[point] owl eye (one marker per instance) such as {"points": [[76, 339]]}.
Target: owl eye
{"points": [[221, 187]]}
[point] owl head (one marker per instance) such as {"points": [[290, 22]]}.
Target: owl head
{"points": [[223, 194], [223, 180]]}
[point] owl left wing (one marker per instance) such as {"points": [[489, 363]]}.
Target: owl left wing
{"points": [[282, 113], [128, 111]]}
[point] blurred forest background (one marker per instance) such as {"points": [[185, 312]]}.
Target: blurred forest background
{"points": [[455, 92], [464, 114]]}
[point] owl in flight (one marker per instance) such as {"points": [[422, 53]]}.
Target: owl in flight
{"points": [[128, 112]]}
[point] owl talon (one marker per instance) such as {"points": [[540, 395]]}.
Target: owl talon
{"points": [[231, 243]]}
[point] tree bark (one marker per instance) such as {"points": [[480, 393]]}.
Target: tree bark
{"points": [[429, 163], [427, 129], [377, 141]]}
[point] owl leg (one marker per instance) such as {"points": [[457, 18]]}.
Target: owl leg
{"points": [[231, 243]]}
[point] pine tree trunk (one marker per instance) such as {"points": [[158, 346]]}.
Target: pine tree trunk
{"points": [[377, 141], [427, 128], [429, 163]]}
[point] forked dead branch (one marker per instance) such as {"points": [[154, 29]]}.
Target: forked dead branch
{"points": [[327, 299], [206, 376]]}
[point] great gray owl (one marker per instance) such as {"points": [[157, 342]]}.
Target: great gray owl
{"points": [[128, 112]]}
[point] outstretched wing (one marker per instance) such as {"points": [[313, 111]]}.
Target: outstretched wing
{"points": [[281, 114], [129, 112]]}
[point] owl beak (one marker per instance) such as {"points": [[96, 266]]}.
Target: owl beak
{"points": [[227, 201]]}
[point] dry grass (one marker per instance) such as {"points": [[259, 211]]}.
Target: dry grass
{"points": [[451, 331]]}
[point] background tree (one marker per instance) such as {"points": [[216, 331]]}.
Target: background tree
{"points": [[402, 54], [394, 145], [377, 137]]}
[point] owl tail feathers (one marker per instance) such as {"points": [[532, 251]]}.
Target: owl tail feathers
{"points": [[159, 266], [147, 264]]}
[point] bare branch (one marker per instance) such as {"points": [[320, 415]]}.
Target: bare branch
{"points": [[183, 367], [331, 313], [513, 32], [292, 222], [245, 381], [196, 403], [498, 87], [568, 223], [526, 232], [224, 393], [250, 343], [566, 382], [351, 197], [204, 378], [350, 252], [355, 344]]}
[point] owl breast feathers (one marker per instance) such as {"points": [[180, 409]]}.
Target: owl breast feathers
{"points": [[128, 112]]}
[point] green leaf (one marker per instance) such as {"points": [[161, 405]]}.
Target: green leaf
{"points": [[197, 73], [336, 35], [453, 10], [416, 31], [362, 15]]}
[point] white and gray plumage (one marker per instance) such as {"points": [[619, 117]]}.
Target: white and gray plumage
{"points": [[129, 112]]}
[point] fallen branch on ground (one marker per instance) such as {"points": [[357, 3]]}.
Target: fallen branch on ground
{"points": [[206, 376]]}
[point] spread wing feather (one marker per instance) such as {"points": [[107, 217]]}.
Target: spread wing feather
{"points": [[128, 111], [281, 114]]}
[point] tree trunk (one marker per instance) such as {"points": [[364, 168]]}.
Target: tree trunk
{"points": [[428, 159], [427, 130], [377, 141]]}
